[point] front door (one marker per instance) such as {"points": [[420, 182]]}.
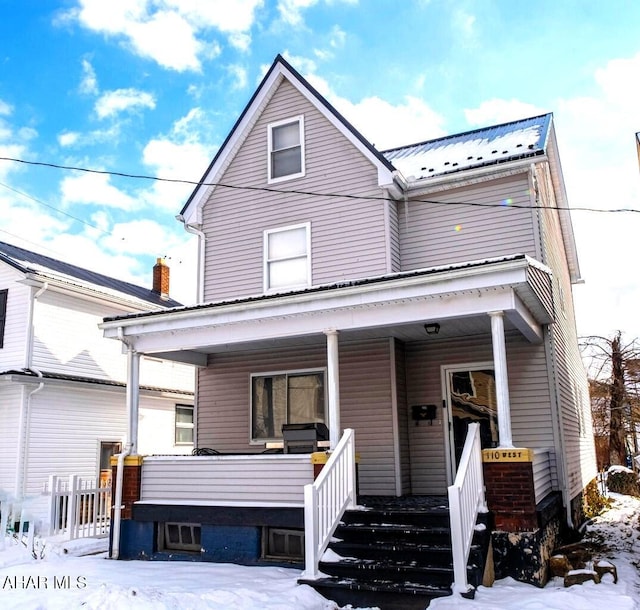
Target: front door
{"points": [[470, 396]]}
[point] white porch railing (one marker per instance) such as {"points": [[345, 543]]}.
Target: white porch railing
{"points": [[466, 500], [79, 507], [326, 499]]}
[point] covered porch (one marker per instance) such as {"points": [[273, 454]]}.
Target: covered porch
{"points": [[492, 298]]}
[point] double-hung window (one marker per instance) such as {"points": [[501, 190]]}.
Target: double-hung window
{"points": [[286, 149], [184, 425], [293, 397], [287, 259]]}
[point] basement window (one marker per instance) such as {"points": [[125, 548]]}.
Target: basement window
{"points": [[279, 543], [179, 537]]}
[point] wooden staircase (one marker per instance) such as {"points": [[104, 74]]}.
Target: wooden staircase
{"points": [[395, 553]]}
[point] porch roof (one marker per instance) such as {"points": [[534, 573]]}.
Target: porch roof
{"points": [[396, 304]]}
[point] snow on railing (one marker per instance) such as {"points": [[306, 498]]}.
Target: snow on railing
{"points": [[80, 507], [326, 499], [466, 500]]}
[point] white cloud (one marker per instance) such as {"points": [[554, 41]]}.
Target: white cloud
{"points": [[170, 32], [95, 189], [120, 100], [464, 24], [178, 155], [68, 138], [384, 124], [494, 111], [291, 10], [240, 76], [5, 109], [89, 81]]}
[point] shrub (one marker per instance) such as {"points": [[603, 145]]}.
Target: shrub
{"points": [[593, 502], [624, 482]]}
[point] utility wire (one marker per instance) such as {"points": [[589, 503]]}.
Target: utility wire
{"points": [[311, 193], [59, 211]]}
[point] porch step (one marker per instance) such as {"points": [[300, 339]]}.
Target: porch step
{"points": [[394, 553]]}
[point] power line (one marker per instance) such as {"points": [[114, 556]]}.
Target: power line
{"points": [[311, 193], [46, 205]]}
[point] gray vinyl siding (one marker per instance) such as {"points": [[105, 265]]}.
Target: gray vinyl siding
{"points": [[365, 401], [570, 381], [13, 352], [10, 406], [258, 479], [348, 237], [394, 238], [528, 391], [441, 234]]}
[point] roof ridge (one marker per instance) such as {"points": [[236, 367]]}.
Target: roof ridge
{"points": [[466, 133]]}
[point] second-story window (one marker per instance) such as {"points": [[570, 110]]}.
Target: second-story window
{"points": [[287, 257], [286, 149]]}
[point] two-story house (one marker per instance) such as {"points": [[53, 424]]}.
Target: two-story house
{"points": [[62, 384], [394, 296]]}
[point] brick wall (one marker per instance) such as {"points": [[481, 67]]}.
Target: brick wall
{"points": [[511, 495]]}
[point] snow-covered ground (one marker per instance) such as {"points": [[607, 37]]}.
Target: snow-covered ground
{"points": [[64, 580]]}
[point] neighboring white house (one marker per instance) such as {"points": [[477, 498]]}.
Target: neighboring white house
{"points": [[62, 385]]}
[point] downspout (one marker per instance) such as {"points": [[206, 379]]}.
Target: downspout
{"points": [[117, 503], [201, 250], [25, 412]]}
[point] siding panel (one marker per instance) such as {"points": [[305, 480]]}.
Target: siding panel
{"points": [[446, 233], [13, 352]]}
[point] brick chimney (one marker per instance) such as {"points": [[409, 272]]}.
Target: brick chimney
{"points": [[161, 278]]}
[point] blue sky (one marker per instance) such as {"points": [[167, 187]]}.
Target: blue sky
{"points": [[153, 86]]}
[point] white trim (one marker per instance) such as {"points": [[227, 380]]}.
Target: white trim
{"points": [[447, 427], [301, 135], [265, 257]]}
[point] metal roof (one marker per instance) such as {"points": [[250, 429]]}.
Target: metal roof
{"points": [[26, 261], [472, 149]]}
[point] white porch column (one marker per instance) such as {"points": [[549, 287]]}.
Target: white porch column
{"points": [[333, 387], [133, 398], [502, 380]]}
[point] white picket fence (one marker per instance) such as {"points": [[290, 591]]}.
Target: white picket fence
{"points": [[79, 507], [15, 525]]}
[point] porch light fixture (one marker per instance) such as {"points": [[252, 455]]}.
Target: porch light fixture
{"points": [[432, 329]]}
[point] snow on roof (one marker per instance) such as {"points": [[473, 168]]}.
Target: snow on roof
{"points": [[51, 268], [473, 149]]}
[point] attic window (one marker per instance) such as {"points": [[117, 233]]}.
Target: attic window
{"points": [[286, 149]]}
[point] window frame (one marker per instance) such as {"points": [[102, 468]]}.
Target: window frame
{"points": [[184, 426], [293, 373], [266, 261], [4, 298], [301, 132]]}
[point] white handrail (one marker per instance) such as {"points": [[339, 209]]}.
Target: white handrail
{"points": [[466, 500], [325, 501]]}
